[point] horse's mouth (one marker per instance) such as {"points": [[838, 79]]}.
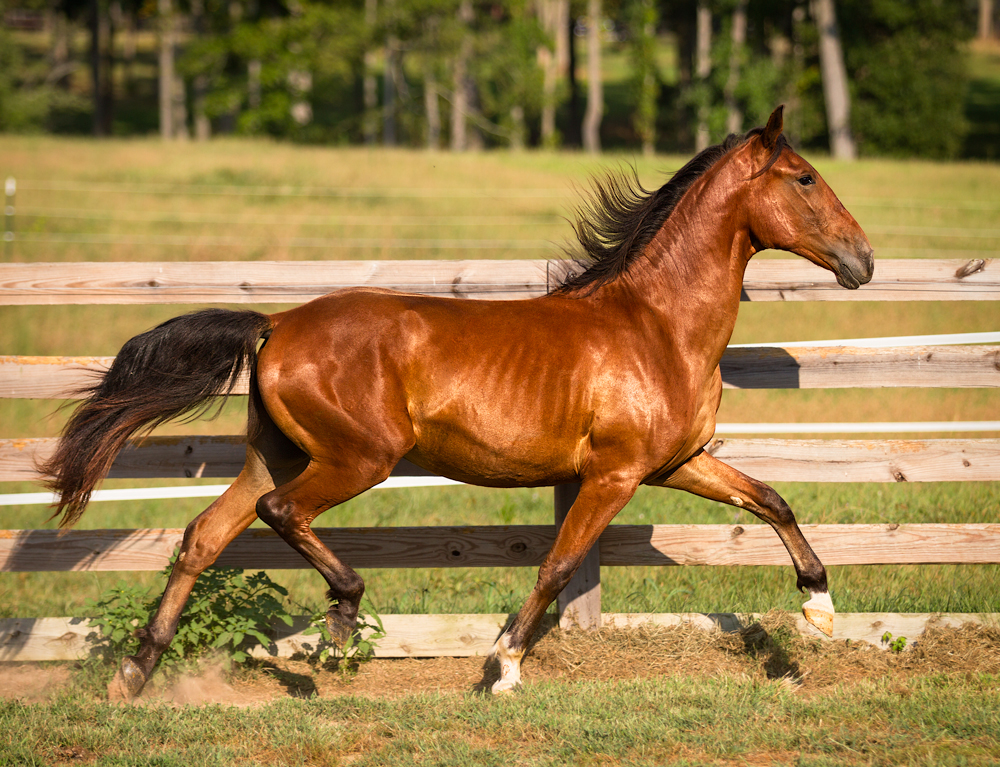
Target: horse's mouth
{"points": [[854, 271]]}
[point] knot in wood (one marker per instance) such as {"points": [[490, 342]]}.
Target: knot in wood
{"points": [[970, 267], [714, 446], [738, 531]]}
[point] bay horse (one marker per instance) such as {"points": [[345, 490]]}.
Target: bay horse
{"points": [[611, 380]]}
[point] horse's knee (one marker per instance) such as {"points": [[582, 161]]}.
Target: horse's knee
{"points": [[554, 576], [773, 508]]}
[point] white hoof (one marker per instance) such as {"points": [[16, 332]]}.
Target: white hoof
{"points": [[510, 667], [819, 612]]}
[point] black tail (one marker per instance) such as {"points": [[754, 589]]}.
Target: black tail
{"points": [[173, 370]]}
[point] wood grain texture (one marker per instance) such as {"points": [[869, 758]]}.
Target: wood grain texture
{"points": [[510, 546], [742, 368], [426, 636], [261, 281], [861, 460], [299, 281], [154, 457], [769, 460], [579, 604], [848, 367]]}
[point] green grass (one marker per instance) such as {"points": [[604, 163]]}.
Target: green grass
{"points": [[926, 720]]}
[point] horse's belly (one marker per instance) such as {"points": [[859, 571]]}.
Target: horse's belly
{"points": [[509, 456]]}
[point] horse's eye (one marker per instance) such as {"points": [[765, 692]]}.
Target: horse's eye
{"points": [[807, 180]]}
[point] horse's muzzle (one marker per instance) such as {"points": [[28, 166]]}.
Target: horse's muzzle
{"points": [[855, 269]]}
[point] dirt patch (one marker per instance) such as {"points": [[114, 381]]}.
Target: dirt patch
{"points": [[769, 649], [33, 682]]}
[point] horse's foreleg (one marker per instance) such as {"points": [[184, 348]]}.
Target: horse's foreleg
{"points": [[710, 478], [594, 508], [204, 539]]}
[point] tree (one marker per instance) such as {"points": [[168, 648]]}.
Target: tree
{"points": [[908, 75], [835, 90], [703, 70], [595, 86], [642, 20], [553, 58]]}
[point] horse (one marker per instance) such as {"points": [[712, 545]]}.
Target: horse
{"points": [[611, 380]]}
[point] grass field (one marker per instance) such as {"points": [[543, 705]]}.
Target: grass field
{"points": [[243, 200], [642, 697]]}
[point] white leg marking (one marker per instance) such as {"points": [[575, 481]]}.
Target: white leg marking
{"points": [[819, 611], [510, 666]]}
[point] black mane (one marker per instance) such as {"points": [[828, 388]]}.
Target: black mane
{"points": [[621, 217]]}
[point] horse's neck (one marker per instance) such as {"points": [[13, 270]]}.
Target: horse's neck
{"points": [[692, 272]]}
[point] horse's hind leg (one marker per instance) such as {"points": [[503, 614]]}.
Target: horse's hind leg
{"points": [[204, 539], [291, 508], [710, 478]]}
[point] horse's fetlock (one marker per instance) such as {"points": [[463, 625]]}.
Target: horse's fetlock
{"points": [[812, 579]]}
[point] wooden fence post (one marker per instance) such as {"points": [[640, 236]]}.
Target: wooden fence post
{"points": [[579, 604]]}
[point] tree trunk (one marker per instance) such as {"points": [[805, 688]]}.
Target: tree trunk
{"points": [[734, 115], [553, 62], [432, 108], [985, 31], [166, 74], [460, 104], [703, 68], [369, 122], [202, 125], [834, 74], [595, 87], [100, 64], [389, 91], [573, 134]]}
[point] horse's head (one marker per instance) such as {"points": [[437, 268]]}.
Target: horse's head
{"points": [[794, 209]]}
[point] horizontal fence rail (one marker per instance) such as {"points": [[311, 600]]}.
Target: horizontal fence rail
{"points": [[299, 281], [510, 546], [770, 460], [761, 367], [421, 636]]}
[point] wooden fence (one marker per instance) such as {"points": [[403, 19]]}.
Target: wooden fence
{"points": [[926, 460]]}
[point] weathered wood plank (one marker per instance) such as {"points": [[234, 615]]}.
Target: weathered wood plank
{"points": [[171, 282], [427, 636], [300, 281], [843, 367], [892, 460], [742, 368], [667, 545], [894, 280], [579, 604], [155, 457], [770, 460], [510, 546]]}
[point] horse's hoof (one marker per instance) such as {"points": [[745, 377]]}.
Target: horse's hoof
{"points": [[503, 687], [819, 612], [510, 679], [340, 629], [128, 681]]}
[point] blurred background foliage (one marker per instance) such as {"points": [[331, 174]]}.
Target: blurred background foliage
{"points": [[923, 75]]}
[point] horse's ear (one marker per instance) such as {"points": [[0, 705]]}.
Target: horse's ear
{"points": [[769, 137]]}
